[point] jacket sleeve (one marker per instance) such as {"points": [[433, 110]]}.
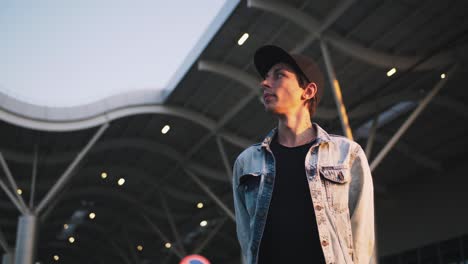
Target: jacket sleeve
{"points": [[242, 216], [361, 205]]}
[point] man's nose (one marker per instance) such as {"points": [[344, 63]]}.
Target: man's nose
{"points": [[265, 84]]}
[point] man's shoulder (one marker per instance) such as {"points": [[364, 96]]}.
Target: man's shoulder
{"points": [[249, 151], [344, 141]]}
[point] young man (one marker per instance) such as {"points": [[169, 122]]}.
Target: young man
{"points": [[302, 195]]}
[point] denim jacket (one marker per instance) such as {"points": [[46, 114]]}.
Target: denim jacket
{"points": [[341, 189]]}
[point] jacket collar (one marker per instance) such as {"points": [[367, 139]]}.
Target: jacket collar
{"points": [[322, 136]]}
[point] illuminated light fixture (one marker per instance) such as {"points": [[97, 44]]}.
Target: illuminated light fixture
{"points": [[442, 76], [139, 247], [165, 129], [121, 181], [199, 205], [103, 175], [203, 223], [65, 226], [391, 72], [71, 240], [19, 191], [242, 39], [168, 245], [92, 215], [56, 257]]}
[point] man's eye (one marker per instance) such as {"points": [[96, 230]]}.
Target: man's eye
{"points": [[279, 74]]}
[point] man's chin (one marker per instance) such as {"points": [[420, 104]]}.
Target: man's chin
{"points": [[270, 109]]}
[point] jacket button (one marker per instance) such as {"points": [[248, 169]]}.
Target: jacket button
{"points": [[318, 207], [324, 243], [340, 176]]}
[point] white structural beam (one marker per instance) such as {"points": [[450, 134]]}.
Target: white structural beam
{"points": [[172, 224], [65, 177], [33, 178], [163, 237], [370, 139], [200, 119], [12, 198], [26, 239], [13, 186], [331, 18], [335, 86], [349, 47], [422, 105], [99, 119], [113, 194], [248, 80], [210, 236], [223, 154], [145, 145], [4, 243], [213, 196]]}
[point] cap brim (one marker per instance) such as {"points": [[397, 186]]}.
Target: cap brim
{"points": [[269, 55]]}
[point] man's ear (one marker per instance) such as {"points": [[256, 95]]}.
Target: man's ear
{"points": [[309, 91]]}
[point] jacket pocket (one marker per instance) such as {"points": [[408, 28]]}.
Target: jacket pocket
{"points": [[335, 180], [248, 187]]}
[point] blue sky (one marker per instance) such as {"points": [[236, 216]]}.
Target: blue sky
{"points": [[69, 53]]}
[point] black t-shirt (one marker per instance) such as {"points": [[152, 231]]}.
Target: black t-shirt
{"points": [[290, 234]]}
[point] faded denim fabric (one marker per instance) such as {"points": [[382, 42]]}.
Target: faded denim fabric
{"points": [[341, 189]]}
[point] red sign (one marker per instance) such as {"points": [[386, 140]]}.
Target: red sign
{"points": [[194, 259]]}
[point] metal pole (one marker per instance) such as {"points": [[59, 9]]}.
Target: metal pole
{"points": [[207, 240], [130, 246], [224, 157], [331, 18], [13, 199], [422, 105], [334, 84], [4, 243], [26, 239], [7, 258], [462, 250], [33, 181], [12, 182], [120, 252], [68, 172], [161, 235], [51, 207], [207, 190], [370, 139], [172, 224]]}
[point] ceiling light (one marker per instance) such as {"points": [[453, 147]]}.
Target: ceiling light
{"points": [[56, 257], [391, 72], [442, 76], [92, 215], [121, 181], [19, 191], [140, 247], [203, 223], [165, 129], [199, 205], [168, 245], [242, 39], [103, 175], [65, 226], [71, 240]]}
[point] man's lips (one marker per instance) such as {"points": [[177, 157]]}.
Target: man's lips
{"points": [[268, 96]]}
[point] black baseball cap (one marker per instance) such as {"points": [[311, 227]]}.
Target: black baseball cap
{"points": [[267, 56]]}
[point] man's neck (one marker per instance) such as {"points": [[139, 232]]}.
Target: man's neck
{"points": [[295, 130]]}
